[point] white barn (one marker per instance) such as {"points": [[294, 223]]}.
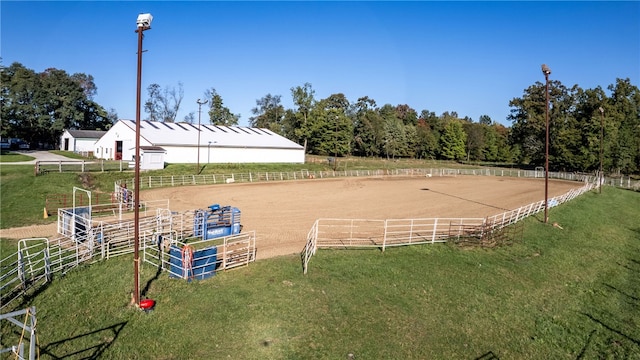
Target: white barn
{"points": [[218, 144], [80, 141]]}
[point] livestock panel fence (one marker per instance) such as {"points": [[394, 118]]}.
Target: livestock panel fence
{"points": [[360, 233], [83, 240]]}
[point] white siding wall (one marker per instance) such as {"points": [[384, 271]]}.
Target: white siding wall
{"points": [[77, 145], [152, 160], [105, 147], [65, 135], [84, 144], [218, 155]]}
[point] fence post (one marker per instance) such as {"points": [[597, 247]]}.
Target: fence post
{"points": [[47, 264], [435, 227], [384, 237], [21, 270]]}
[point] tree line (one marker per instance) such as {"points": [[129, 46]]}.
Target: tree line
{"points": [[39, 106]]}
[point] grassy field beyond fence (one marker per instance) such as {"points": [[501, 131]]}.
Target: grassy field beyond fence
{"points": [[570, 291]]}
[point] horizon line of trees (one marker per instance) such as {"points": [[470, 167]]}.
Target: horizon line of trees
{"points": [[37, 107]]}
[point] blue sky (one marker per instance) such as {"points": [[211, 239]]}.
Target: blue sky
{"points": [[468, 57]]}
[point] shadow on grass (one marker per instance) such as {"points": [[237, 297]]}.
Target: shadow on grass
{"points": [[616, 331], [146, 288], [488, 356], [33, 289], [586, 346], [104, 338]]}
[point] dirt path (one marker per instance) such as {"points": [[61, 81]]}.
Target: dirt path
{"points": [[282, 213]]}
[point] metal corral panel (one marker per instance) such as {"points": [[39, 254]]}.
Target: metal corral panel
{"points": [[200, 266], [350, 233], [418, 231]]}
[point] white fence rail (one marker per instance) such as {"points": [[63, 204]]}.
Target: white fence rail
{"points": [[147, 182], [359, 233]]}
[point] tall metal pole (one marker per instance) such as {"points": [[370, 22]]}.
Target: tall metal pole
{"points": [[200, 103], [546, 71], [136, 193], [600, 178], [335, 146]]}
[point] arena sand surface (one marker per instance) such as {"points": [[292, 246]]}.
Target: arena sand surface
{"points": [[282, 213]]}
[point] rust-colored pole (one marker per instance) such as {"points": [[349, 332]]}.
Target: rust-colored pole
{"points": [[546, 71], [136, 191], [601, 177]]}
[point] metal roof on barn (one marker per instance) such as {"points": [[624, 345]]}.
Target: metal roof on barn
{"points": [[186, 134], [86, 134]]}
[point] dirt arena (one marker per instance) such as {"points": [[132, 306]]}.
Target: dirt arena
{"points": [[282, 213]]}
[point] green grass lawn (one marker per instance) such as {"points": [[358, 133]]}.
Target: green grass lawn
{"points": [[570, 293], [10, 157]]}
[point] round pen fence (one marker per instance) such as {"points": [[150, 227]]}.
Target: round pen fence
{"points": [[360, 233], [150, 182]]}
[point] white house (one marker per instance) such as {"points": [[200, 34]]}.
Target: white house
{"points": [[80, 141], [184, 143]]}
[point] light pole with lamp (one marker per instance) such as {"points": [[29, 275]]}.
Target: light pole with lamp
{"points": [[200, 103], [546, 71], [601, 148], [143, 23]]}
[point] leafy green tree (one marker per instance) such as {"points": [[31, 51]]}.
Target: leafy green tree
{"points": [[303, 98], [529, 127], [37, 107], [153, 105], [218, 113], [268, 113], [475, 140], [332, 130], [485, 119], [368, 128], [407, 115], [426, 143], [393, 132], [492, 144], [623, 117], [452, 142], [588, 119]]}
